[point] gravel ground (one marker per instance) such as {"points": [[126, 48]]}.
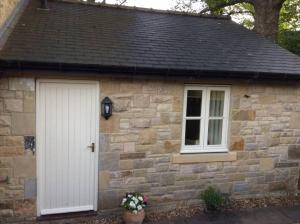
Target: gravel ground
{"points": [[185, 213]]}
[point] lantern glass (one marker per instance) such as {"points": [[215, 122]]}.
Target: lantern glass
{"points": [[106, 108]]}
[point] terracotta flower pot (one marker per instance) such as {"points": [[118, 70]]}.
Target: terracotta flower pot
{"points": [[131, 218]]}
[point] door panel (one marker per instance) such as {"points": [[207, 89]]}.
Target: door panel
{"points": [[66, 125]]}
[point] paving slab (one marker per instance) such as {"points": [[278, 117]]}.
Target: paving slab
{"points": [[289, 215], [292, 212]]}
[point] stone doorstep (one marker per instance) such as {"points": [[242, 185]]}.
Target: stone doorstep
{"points": [[69, 216]]}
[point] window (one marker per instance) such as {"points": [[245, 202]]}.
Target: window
{"points": [[205, 119]]}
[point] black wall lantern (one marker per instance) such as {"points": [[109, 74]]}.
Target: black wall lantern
{"points": [[106, 108]]}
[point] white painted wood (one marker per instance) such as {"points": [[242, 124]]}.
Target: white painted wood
{"points": [[67, 123], [203, 147]]}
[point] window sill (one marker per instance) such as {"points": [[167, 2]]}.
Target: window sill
{"points": [[204, 157]]}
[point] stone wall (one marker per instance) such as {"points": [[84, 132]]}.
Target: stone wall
{"points": [[139, 142], [17, 165], [144, 134]]}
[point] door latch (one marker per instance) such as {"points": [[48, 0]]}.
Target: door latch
{"points": [[92, 146]]}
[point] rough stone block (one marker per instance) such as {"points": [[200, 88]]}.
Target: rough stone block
{"points": [[25, 207], [286, 164], [131, 87], [164, 107], [13, 141], [126, 164], [167, 179], [111, 125], [241, 187], [11, 150], [143, 163], [129, 147], [135, 180], [161, 99], [277, 186], [5, 131], [237, 143], [5, 213], [121, 105], [7, 94], [5, 121], [295, 120], [24, 166], [136, 155], [147, 137], [124, 138], [266, 164], [109, 200], [104, 145], [13, 105], [170, 118], [29, 102], [141, 101], [294, 152], [141, 123], [30, 188], [25, 84], [23, 123], [185, 194], [109, 161], [109, 87], [267, 99], [104, 178], [244, 115]]}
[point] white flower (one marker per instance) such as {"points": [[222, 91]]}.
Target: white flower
{"points": [[136, 201], [139, 208], [140, 198], [135, 211], [123, 201], [132, 205], [129, 196]]}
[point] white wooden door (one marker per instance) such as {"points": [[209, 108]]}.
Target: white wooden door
{"points": [[67, 124]]}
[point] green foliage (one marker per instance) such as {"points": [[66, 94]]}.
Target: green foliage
{"points": [[290, 40], [290, 15], [213, 199], [134, 202]]}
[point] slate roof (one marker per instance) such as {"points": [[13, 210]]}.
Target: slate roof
{"points": [[98, 37]]}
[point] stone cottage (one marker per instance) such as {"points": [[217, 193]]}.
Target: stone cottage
{"points": [[197, 101]]}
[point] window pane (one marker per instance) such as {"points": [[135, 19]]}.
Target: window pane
{"points": [[215, 132], [194, 101], [192, 132], [216, 105]]}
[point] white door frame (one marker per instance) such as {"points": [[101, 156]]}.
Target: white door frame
{"points": [[38, 131]]}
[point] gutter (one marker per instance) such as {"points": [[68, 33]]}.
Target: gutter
{"points": [[144, 72]]}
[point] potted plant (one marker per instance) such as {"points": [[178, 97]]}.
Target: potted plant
{"points": [[134, 204]]}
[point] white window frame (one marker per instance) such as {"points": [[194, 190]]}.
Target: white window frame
{"points": [[203, 147]]}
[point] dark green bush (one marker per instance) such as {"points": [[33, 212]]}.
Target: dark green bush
{"points": [[213, 199], [290, 40]]}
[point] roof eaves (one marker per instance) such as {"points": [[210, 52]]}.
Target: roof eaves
{"points": [[146, 72]]}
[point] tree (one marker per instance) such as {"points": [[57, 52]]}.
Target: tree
{"points": [[266, 14]]}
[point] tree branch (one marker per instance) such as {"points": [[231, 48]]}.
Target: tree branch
{"points": [[224, 4], [122, 2], [240, 12]]}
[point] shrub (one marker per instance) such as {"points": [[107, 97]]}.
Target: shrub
{"points": [[213, 199]]}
